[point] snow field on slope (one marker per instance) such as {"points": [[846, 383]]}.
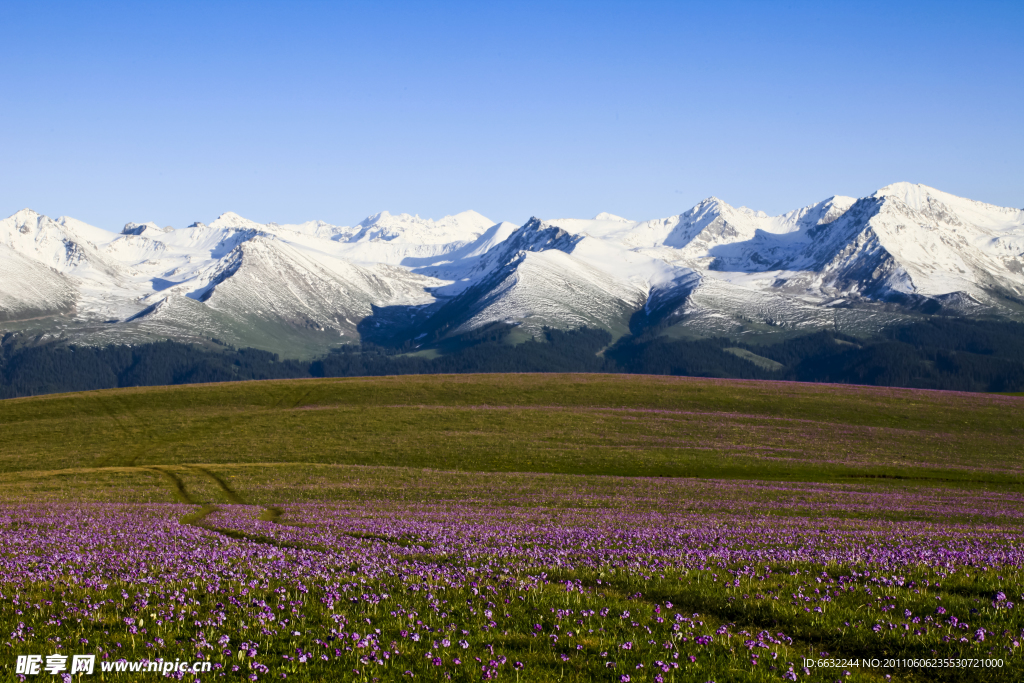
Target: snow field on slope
{"points": [[788, 269]]}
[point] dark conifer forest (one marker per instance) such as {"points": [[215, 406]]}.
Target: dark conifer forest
{"points": [[943, 353]]}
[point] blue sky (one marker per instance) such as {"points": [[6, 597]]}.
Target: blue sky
{"points": [[292, 111]]}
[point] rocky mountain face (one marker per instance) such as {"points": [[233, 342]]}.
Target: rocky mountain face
{"points": [[853, 265]]}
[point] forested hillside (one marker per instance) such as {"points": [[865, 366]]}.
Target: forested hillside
{"points": [[957, 354]]}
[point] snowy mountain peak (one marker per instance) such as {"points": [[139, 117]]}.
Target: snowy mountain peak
{"points": [[25, 214], [231, 219], [376, 218], [25, 220], [605, 216], [385, 226], [146, 229], [908, 192], [710, 208], [840, 202], [465, 218], [470, 217], [538, 235], [710, 203], [924, 199]]}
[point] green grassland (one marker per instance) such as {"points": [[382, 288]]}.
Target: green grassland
{"points": [[544, 445], [569, 424]]}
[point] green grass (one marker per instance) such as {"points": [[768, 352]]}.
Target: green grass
{"points": [[274, 484], [573, 424]]}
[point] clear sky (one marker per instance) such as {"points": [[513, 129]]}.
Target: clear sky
{"points": [[290, 111]]}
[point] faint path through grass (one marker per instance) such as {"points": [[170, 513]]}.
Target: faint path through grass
{"points": [[271, 513], [180, 492], [229, 492]]}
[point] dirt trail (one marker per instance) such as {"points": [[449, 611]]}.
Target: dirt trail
{"points": [[198, 518]]}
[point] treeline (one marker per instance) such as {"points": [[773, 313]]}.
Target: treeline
{"points": [[52, 368], [943, 353], [30, 370]]}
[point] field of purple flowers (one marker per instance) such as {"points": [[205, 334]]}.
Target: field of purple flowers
{"points": [[467, 589], [517, 528]]}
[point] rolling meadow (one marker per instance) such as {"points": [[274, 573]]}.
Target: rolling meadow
{"points": [[515, 527]]}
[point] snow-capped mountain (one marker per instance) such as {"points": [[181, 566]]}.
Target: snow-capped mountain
{"points": [[855, 265]]}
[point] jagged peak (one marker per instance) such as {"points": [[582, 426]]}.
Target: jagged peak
{"points": [[388, 218], [537, 227], [374, 218], [706, 205], [27, 218], [230, 219], [404, 228], [540, 225], [140, 228]]}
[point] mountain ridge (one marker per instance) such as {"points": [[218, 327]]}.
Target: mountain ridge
{"points": [[853, 265]]}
